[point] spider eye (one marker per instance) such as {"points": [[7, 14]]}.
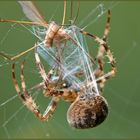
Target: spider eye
{"points": [[87, 113]]}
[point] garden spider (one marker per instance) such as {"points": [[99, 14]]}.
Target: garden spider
{"points": [[86, 110]]}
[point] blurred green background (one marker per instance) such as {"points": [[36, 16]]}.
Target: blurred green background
{"points": [[122, 92]]}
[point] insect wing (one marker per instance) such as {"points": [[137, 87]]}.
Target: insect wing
{"points": [[76, 60], [71, 59], [31, 11]]}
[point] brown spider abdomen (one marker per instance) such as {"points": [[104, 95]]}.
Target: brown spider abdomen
{"points": [[87, 112]]}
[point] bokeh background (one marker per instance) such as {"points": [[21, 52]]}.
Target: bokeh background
{"points": [[122, 92]]}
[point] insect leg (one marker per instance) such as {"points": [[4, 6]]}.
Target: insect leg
{"points": [[64, 12], [17, 56]]}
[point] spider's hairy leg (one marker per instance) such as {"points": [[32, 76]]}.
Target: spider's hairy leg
{"points": [[107, 26], [51, 108], [100, 69], [41, 69], [104, 77], [25, 97], [22, 97], [46, 77], [101, 79], [101, 50], [28, 100], [103, 47]]}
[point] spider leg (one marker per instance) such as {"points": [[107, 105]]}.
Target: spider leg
{"points": [[104, 77], [22, 97], [25, 97], [49, 89], [101, 78], [100, 70], [28, 100], [46, 77], [103, 47], [107, 26]]}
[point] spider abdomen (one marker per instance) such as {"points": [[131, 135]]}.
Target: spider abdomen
{"points": [[87, 112]]}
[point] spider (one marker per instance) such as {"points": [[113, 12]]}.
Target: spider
{"points": [[86, 110]]}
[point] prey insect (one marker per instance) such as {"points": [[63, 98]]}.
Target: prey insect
{"points": [[73, 75]]}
